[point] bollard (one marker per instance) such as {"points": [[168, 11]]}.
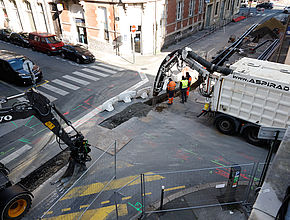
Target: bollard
{"points": [[162, 197]]}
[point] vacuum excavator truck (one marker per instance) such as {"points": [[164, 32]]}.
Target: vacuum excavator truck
{"points": [[15, 199], [249, 94], [256, 94]]}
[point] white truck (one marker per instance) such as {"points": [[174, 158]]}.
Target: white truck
{"points": [[256, 94], [249, 94]]}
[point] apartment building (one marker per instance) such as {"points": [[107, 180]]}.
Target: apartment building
{"points": [[106, 25]]}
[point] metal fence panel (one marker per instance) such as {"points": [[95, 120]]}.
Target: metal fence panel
{"points": [[79, 200]]}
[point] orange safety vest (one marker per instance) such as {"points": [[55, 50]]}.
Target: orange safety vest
{"points": [[189, 80], [171, 86]]}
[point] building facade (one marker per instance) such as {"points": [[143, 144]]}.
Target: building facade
{"points": [[116, 26]]}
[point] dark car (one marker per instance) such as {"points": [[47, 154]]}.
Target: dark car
{"points": [[286, 10], [20, 39], [77, 53], [15, 68], [5, 34], [266, 5]]}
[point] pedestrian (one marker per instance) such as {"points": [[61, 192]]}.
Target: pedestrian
{"points": [[170, 91], [183, 88], [188, 77]]}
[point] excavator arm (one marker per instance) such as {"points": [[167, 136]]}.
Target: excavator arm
{"points": [[40, 107], [15, 200]]}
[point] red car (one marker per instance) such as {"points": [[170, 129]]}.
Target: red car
{"points": [[45, 42]]}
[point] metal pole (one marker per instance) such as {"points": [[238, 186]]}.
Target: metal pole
{"points": [[142, 194], [253, 173], [268, 159], [115, 159], [116, 206], [162, 197], [133, 36]]}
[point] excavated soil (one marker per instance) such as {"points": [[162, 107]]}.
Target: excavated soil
{"points": [[135, 110]]}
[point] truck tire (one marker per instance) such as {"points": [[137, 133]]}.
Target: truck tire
{"points": [[225, 125], [251, 135], [15, 203]]}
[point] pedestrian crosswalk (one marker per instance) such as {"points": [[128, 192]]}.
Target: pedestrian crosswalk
{"points": [[75, 80]]}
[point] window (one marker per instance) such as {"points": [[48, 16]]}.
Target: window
{"points": [[179, 10], [228, 4], [191, 7], [216, 8], [200, 6], [30, 15]]}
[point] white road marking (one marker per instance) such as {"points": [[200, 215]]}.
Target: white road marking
{"points": [[54, 89], [51, 98], [104, 69], [111, 67], [94, 72], [65, 84], [77, 80], [85, 76], [16, 154]]}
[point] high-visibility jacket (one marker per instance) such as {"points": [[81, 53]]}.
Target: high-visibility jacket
{"points": [[171, 86], [184, 83]]}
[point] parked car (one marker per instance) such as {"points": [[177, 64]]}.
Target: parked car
{"points": [[77, 53], [15, 68], [266, 5], [45, 42], [20, 39], [286, 9], [5, 34]]}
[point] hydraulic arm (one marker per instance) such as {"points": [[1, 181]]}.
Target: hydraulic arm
{"points": [[181, 58]]}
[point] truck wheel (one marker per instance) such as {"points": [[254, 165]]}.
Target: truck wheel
{"points": [[225, 125], [251, 135]]}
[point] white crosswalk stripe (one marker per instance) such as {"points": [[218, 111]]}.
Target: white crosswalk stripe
{"points": [[65, 84], [54, 89], [111, 67], [77, 80], [85, 75], [94, 72], [16, 154], [104, 69], [51, 98]]}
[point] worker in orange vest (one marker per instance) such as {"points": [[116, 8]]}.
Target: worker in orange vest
{"points": [[188, 77], [170, 91]]}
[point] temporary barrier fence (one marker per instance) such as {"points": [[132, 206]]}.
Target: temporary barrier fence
{"points": [[76, 202], [152, 193]]}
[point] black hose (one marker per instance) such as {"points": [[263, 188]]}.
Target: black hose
{"points": [[210, 66]]}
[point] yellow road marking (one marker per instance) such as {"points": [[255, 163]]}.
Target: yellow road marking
{"points": [[83, 206], [50, 212], [93, 214], [115, 184], [104, 202], [64, 210], [128, 197], [45, 81], [174, 188]]}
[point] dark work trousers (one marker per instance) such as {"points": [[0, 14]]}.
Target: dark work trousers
{"points": [[183, 95]]}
